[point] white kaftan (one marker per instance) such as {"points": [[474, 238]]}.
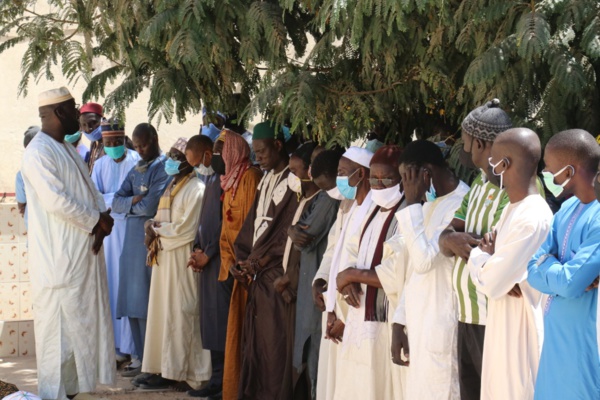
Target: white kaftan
{"points": [[108, 175], [173, 345], [428, 306], [514, 332], [73, 329], [364, 367]]}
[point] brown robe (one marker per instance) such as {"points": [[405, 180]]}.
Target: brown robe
{"points": [[264, 331]]}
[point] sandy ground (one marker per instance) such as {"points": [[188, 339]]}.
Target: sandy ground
{"points": [[22, 372]]}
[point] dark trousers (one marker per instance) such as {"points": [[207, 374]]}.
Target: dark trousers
{"points": [[470, 355], [217, 359]]}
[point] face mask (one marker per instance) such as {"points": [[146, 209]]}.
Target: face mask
{"points": [[217, 164], [388, 197], [294, 183], [493, 171], [115, 152], [431, 195], [554, 188], [172, 166], [336, 195], [94, 135], [211, 131], [203, 169], [466, 157], [73, 138], [343, 184]]}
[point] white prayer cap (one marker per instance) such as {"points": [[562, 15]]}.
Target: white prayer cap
{"points": [[359, 155], [54, 96]]}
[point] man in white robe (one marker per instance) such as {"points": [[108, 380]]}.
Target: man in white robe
{"points": [[353, 172], [498, 267], [173, 344], [67, 224], [108, 174], [428, 306]]}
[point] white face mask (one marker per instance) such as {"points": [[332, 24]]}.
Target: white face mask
{"points": [[294, 183], [203, 169], [335, 193], [388, 197]]}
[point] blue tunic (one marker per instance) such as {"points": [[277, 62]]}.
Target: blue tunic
{"points": [[569, 365], [134, 275], [213, 295]]}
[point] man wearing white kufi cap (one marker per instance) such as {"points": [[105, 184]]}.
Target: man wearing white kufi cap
{"points": [[67, 224], [353, 184]]}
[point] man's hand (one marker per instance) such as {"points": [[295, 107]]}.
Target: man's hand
{"points": [[248, 267], [99, 236], [106, 222], [102, 229], [399, 343], [298, 235], [344, 278], [460, 243], [21, 207], [238, 275], [150, 233], [334, 329], [488, 244], [280, 284], [515, 291], [198, 260], [318, 289], [415, 182], [351, 294], [593, 285], [137, 199]]}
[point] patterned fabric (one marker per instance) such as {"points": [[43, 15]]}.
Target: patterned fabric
{"points": [[236, 156], [7, 388], [481, 209], [487, 122], [180, 144]]}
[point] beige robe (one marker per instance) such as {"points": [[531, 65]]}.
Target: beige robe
{"points": [[173, 345]]}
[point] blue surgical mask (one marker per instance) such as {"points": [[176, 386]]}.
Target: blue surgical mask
{"points": [[115, 152], [94, 135], [172, 166], [73, 138], [343, 184], [211, 131], [431, 194]]}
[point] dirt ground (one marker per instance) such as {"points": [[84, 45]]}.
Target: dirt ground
{"points": [[22, 372]]}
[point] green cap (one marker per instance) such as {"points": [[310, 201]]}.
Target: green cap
{"points": [[266, 130]]}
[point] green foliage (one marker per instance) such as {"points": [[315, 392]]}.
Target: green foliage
{"points": [[342, 67]]}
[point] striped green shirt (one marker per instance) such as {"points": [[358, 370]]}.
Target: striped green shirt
{"points": [[481, 209]]}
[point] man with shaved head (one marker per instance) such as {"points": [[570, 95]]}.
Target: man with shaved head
{"points": [[565, 266], [498, 267]]}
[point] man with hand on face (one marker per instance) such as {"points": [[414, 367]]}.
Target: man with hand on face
{"points": [[213, 295], [138, 200], [90, 119], [364, 367], [259, 250], [68, 222], [498, 266], [430, 324], [565, 266], [108, 175], [479, 212]]}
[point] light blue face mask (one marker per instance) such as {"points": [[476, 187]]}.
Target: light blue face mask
{"points": [[172, 166], [73, 138], [374, 145], [94, 135], [343, 185], [553, 187], [431, 194]]}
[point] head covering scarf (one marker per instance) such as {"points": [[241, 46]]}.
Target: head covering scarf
{"points": [[236, 156]]}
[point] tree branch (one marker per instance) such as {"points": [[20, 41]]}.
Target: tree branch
{"points": [[62, 21]]}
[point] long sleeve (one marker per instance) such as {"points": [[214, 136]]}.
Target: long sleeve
{"points": [[570, 279], [332, 236], [495, 275], [423, 250], [177, 233], [211, 221], [20, 189], [123, 197], [400, 313], [45, 179], [320, 219]]}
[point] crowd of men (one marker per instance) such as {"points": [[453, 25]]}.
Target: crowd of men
{"points": [[249, 266]]}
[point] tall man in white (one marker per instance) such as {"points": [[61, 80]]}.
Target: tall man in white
{"points": [[498, 267], [67, 223]]}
